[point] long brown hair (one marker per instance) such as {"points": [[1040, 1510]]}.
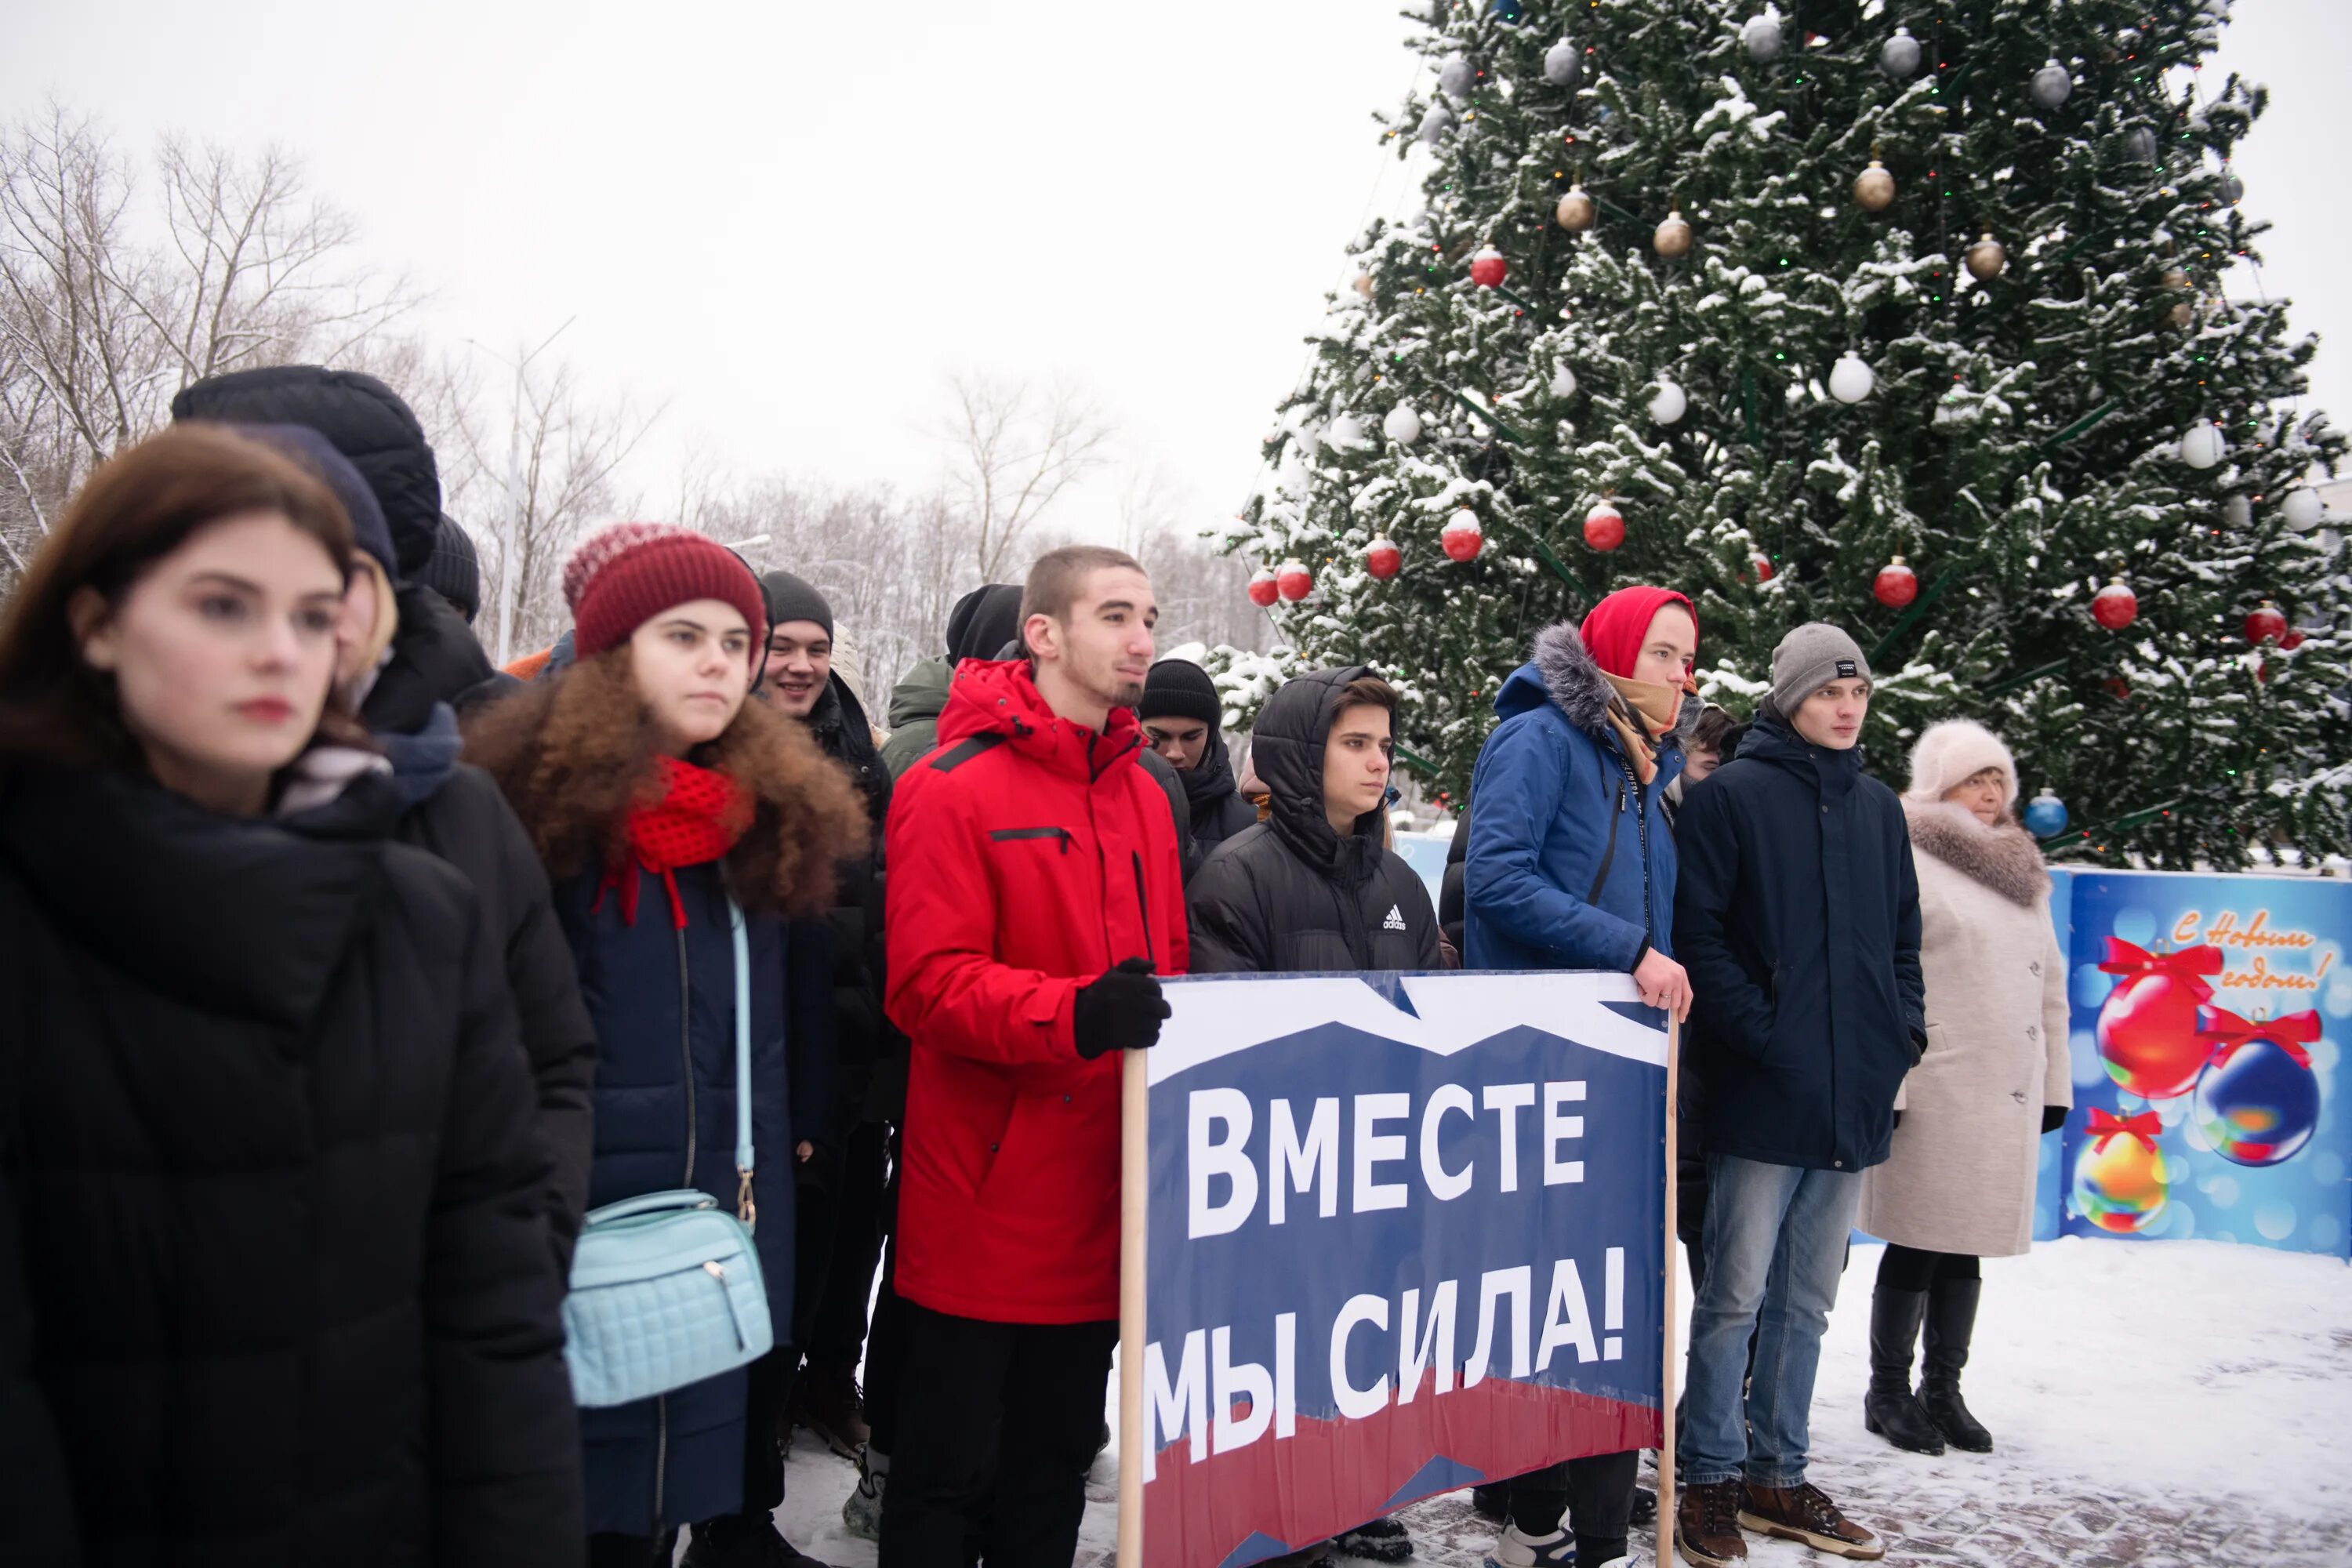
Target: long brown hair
{"points": [[573, 752], [140, 504]]}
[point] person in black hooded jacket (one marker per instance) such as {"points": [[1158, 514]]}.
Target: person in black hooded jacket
{"points": [[1184, 721], [1296, 893], [456, 814], [267, 1135]]}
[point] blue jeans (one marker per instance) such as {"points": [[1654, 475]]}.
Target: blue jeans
{"points": [[1775, 1244]]}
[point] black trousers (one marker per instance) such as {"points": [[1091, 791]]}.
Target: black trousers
{"points": [[886, 1345], [836, 1334], [997, 1427], [1595, 1493], [1909, 1268]]}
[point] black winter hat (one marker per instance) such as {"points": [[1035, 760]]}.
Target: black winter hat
{"points": [[790, 598], [1178, 689], [983, 621], [366, 421], [316, 453], [454, 572]]}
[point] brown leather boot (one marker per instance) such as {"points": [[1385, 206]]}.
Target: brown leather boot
{"points": [[832, 1405], [1804, 1512], [1706, 1525]]}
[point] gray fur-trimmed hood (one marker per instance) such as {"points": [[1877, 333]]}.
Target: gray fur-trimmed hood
{"points": [[1562, 672], [2003, 857]]}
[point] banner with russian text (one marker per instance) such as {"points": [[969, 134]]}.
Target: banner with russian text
{"points": [[1401, 1234]]}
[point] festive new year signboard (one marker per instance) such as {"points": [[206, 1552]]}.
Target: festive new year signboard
{"points": [[2208, 1014], [1403, 1233]]}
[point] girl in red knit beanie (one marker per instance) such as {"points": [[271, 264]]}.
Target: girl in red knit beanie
{"points": [[656, 794]]}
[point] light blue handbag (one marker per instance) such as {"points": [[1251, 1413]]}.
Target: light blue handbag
{"points": [[665, 1287]]}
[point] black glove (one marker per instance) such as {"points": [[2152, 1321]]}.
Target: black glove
{"points": [[1898, 1118], [2053, 1117], [1119, 1012], [1918, 1044]]}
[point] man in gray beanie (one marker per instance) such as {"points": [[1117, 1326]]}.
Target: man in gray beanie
{"points": [[1797, 915]]}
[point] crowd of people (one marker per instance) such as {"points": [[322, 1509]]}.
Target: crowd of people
{"points": [[356, 989]]}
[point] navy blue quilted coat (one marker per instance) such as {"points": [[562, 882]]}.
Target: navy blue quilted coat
{"points": [[663, 1001]]}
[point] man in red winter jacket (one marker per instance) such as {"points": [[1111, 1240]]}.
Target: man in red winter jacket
{"points": [[1036, 893]]}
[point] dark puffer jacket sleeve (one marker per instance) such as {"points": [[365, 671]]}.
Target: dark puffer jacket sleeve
{"points": [[1910, 977], [1229, 927], [557, 1035], [37, 1518], [505, 1438], [810, 1049], [1734, 1007]]}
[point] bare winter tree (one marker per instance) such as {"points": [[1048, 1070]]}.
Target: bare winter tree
{"points": [[1203, 595], [536, 474], [1013, 449], [115, 293]]}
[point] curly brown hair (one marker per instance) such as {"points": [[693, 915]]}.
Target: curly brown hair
{"points": [[572, 753]]}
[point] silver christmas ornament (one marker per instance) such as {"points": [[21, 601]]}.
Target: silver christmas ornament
{"points": [[2053, 86], [1454, 77], [1563, 64], [1435, 124], [2230, 189], [2139, 146], [2201, 445], [2302, 509], [1668, 405], [1762, 36], [2238, 512], [1850, 380], [1402, 426], [1900, 57]]}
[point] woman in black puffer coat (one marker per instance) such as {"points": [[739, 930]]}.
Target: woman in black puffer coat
{"points": [[286, 1285]]}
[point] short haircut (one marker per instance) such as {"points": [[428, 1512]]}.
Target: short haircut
{"points": [[1366, 692], [1714, 727], [1056, 581]]}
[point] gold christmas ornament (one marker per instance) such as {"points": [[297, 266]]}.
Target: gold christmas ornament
{"points": [[1874, 188], [1577, 210], [1986, 259], [2183, 311], [1674, 236], [1364, 284]]}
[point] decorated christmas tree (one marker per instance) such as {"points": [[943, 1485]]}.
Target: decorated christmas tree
{"points": [[1931, 318]]}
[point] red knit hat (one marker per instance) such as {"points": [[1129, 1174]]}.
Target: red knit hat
{"points": [[1612, 632], [624, 575]]}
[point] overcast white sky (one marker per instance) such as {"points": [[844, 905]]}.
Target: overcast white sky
{"points": [[788, 219]]}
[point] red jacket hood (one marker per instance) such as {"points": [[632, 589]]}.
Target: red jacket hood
{"points": [[1000, 697]]}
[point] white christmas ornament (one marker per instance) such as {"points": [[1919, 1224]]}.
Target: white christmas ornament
{"points": [[1435, 124], [1762, 36], [1850, 380], [1454, 77], [1668, 405], [1402, 425], [1900, 57], [2201, 445], [1347, 432], [1564, 382], [2053, 86], [1563, 63], [2238, 512], [2302, 509]]}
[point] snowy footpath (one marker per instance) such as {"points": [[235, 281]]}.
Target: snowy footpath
{"points": [[2168, 1405]]}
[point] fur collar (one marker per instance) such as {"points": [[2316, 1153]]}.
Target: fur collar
{"points": [[2005, 858], [1581, 690]]}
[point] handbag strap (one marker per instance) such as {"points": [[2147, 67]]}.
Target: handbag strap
{"points": [[745, 1209]]}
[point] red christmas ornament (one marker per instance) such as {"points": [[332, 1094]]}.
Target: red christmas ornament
{"points": [[1487, 267], [1383, 559], [1462, 537], [2266, 625], [1897, 585], [2114, 606], [1762, 566], [1604, 527], [2117, 689], [1294, 579], [2292, 641], [2148, 1032], [1262, 589]]}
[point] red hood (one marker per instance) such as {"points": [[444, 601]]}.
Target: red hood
{"points": [[999, 697]]}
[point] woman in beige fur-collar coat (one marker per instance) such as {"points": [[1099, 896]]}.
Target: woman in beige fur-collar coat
{"points": [[1959, 1182]]}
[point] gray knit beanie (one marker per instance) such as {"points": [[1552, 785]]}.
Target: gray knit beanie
{"points": [[1810, 658]]}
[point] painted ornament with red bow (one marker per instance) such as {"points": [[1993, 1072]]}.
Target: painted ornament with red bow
{"points": [[2147, 1027], [2120, 1178], [2258, 1099]]}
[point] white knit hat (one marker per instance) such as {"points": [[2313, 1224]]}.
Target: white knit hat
{"points": [[1955, 752]]}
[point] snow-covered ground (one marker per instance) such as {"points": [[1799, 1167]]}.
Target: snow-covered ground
{"points": [[2157, 1405]]}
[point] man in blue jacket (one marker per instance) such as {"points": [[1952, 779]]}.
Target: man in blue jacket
{"points": [[1570, 866], [1797, 913]]}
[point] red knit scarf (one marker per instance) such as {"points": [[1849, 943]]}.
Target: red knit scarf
{"points": [[697, 819]]}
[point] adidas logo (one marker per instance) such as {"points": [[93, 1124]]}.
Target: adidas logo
{"points": [[1395, 921]]}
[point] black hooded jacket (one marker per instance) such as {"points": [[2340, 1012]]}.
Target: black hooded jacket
{"points": [[1289, 895], [279, 1195], [872, 1084], [1218, 810]]}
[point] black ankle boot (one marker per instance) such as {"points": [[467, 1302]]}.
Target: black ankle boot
{"points": [[1889, 1409], [1951, 1320]]}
